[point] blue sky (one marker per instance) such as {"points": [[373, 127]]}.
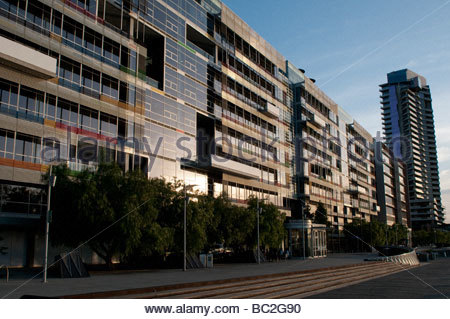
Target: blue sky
{"points": [[349, 46]]}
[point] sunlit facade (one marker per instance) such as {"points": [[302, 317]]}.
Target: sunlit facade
{"points": [[178, 89], [408, 126], [334, 156]]}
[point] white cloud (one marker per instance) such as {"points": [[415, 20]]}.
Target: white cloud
{"points": [[446, 202], [411, 64], [443, 154], [442, 134], [445, 180]]}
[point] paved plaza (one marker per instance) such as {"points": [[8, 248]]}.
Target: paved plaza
{"points": [[405, 284], [139, 279], [432, 280]]}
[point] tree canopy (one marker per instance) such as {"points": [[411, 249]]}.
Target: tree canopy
{"points": [[126, 216], [375, 234], [321, 215], [3, 249]]}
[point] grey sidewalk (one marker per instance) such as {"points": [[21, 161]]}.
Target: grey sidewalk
{"points": [[129, 280]]}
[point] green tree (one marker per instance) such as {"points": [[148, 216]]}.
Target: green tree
{"points": [[321, 215], [307, 212], [271, 221], [222, 228], [397, 234], [378, 233], [199, 215], [110, 210], [364, 235], [243, 233], [422, 238], [235, 225], [3, 249]]}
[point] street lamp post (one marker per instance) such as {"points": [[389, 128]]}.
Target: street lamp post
{"points": [[257, 231], [51, 183], [184, 228], [303, 229], [258, 212], [186, 200]]}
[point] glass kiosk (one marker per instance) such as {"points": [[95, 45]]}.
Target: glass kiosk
{"points": [[315, 238]]}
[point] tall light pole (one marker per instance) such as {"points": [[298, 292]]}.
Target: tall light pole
{"points": [[186, 200], [258, 253], [258, 212], [184, 228], [51, 183], [303, 229]]}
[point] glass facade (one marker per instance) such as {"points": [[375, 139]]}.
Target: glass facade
{"points": [[148, 79], [180, 89]]}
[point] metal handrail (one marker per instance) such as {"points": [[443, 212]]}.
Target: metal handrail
{"points": [[7, 271], [409, 258]]}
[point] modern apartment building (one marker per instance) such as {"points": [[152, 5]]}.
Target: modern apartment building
{"points": [[334, 156], [180, 89], [408, 126], [177, 89], [392, 187], [362, 172]]}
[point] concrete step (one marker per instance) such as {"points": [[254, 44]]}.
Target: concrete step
{"points": [[302, 291], [213, 288], [272, 285], [248, 289], [307, 284], [344, 284]]}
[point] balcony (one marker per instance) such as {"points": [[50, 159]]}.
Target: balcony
{"points": [[271, 110], [235, 168], [352, 190], [27, 60]]}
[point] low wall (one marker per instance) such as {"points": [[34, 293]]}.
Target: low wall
{"points": [[409, 258]]}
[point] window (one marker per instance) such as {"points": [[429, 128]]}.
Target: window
{"points": [[27, 148], [110, 86], [11, 6], [31, 101], [126, 128], [89, 5], [56, 22], [69, 70], [8, 95], [50, 107], [39, 14], [6, 144], [127, 93], [86, 151], [113, 13], [93, 41], [67, 112], [91, 79], [72, 30], [108, 125], [128, 58], [53, 150], [88, 119], [111, 50]]}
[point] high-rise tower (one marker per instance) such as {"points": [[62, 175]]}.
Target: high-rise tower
{"points": [[408, 126]]}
